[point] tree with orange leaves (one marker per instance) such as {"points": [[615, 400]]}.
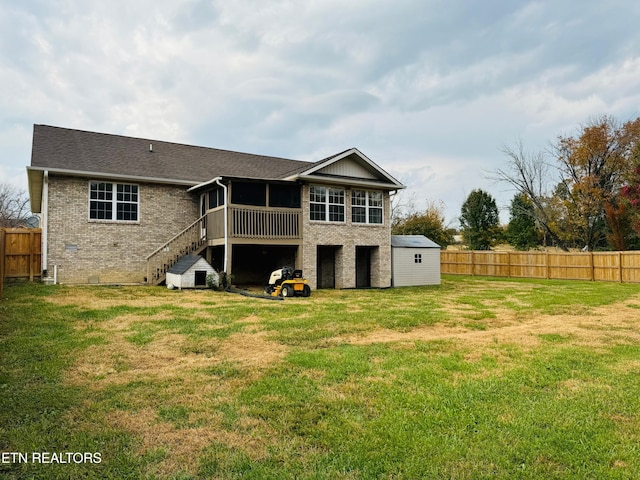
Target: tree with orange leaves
{"points": [[630, 192], [589, 196], [594, 166]]}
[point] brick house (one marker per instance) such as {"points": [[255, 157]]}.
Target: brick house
{"points": [[117, 209]]}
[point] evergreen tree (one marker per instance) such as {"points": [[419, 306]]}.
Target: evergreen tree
{"points": [[521, 232], [480, 221]]}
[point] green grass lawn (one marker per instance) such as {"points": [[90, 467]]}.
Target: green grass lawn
{"points": [[475, 378]]}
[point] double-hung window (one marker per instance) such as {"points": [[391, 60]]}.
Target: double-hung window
{"points": [[366, 207], [113, 201], [326, 204]]}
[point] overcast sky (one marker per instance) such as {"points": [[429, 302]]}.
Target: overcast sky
{"points": [[430, 90]]}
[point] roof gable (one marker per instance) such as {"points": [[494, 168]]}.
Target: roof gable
{"points": [[350, 166]]}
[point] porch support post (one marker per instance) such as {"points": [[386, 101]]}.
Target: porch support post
{"points": [[227, 254], [228, 249]]}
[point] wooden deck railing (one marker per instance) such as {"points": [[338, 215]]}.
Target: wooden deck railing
{"points": [[188, 241], [264, 224], [255, 223]]}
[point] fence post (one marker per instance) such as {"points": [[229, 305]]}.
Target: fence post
{"points": [[473, 267], [2, 252], [546, 261], [31, 246], [592, 267], [620, 266], [508, 264]]}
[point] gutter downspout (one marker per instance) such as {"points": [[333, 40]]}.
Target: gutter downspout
{"points": [[226, 222], [45, 219]]}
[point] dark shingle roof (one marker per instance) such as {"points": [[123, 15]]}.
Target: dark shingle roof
{"points": [[184, 264], [82, 151]]}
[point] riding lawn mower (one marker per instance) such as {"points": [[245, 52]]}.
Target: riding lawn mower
{"points": [[287, 282]]}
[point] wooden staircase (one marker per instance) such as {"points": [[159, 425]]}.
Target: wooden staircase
{"points": [[191, 240]]}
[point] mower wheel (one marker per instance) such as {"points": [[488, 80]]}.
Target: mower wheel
{"points": [[287, 291], [306, 291]]}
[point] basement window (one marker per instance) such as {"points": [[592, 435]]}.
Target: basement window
{"points": [[113, 201]]}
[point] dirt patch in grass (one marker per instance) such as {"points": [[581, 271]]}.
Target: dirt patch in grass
{"points": [[601, 326], [182, 446], [97, 297], [120, 362], [252, 350]]}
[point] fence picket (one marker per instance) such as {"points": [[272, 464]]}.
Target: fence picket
{"points": [[594, 266], [22, 253]]}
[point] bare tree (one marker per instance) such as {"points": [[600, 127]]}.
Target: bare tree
{"points": [[14, 206], [528, 173], [403, 204]]}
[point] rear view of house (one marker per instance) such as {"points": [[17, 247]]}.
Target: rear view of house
{"points": [[118, 209]]}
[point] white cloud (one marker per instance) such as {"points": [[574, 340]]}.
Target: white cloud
{"points": [[428, 90]]}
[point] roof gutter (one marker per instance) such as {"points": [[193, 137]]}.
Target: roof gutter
{"points": [[114, 176], [348, 181]]}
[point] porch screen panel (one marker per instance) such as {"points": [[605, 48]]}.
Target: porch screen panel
{"points": [[287, 196], [248, 193]]}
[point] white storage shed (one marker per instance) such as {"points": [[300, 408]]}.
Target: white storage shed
{"points": [[415, 260], [189, 272]]}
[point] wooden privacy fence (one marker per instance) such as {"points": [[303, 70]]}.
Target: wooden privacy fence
{"points": [[2, 236], [20, 253], [596, 266]]}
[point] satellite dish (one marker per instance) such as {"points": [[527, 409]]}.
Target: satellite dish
{"points": [[33, 222]]}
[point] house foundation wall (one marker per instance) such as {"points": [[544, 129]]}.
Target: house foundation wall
{"points": [[94, 251]]}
